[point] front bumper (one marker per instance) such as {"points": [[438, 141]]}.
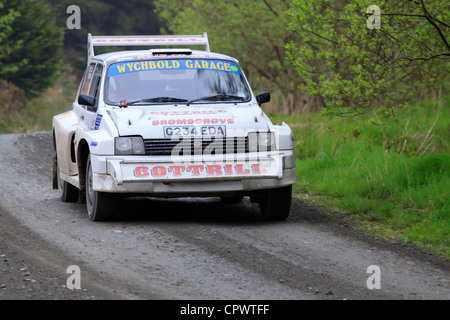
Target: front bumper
{"points": [[161, 176]]}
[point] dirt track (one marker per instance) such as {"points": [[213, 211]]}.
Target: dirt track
{"points": [[187, 248]]}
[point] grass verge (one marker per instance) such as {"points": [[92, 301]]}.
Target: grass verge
{"points": [[388, 172]]}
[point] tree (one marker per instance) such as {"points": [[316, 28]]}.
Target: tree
{"points": [[104, 17], [355, 67], [254, 32], [30, 42], [7, 18]]}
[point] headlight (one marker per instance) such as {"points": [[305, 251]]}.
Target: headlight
{"points": [[261, 141], [252, 142], [129, 145], [266, 141]]}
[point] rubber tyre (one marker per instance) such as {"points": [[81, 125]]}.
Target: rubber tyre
{"points": [[100, 206], [232, 199], [276, 203], [67, 192]]}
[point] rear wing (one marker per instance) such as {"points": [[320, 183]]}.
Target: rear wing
{"points": [[172, 40]]}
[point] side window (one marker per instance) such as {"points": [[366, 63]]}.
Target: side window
{"points": [[95, 83], [87, 78]]}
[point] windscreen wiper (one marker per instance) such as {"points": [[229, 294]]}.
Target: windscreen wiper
{"points": [[156, 99], [217, 97]]}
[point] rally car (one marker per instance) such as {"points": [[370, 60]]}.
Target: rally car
{"points": [[174, 122]]}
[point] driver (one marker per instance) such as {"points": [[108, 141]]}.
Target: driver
{"points": [[123, 87]]}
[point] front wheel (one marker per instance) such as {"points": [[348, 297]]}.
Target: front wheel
{"points": [[67, 192], [275, 204], [100, 205]]}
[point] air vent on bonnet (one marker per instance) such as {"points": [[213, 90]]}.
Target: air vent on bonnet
{"points": [[157, 52]]}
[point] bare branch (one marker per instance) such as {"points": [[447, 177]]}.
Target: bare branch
{"points": [[411, 15], [270, 8], [430, 20]]}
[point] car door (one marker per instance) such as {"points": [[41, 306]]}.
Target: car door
{"points": [[90, 87]]}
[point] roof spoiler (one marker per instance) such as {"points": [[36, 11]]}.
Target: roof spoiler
{"points": [[172, 40]]}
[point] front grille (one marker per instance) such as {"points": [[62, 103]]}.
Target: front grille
{"points": [[193, 146]]}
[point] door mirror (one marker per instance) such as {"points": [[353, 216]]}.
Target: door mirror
{"points": [[263, 97], [86, 100]]}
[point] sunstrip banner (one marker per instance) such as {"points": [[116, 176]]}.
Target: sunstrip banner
{"points": [[127, 67]]}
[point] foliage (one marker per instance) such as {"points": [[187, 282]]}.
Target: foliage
{"points": [[19, 115], [376, 169], [254, 32], [30, 41], [104, 17], [12, 100], [355, 68], [7, 18]]}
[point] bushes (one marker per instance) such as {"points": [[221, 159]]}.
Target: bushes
{"points": [[353, 164], [12, 99]]}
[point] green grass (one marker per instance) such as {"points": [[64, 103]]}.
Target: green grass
{"points": [[389, 172]]}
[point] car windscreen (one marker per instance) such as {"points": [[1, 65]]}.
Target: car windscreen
{"points": [[175, 81]]}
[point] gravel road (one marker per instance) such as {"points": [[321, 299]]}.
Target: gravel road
{"points": [[194, 249]]}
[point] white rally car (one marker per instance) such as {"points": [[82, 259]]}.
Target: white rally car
{"points": [[169, 123]]}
